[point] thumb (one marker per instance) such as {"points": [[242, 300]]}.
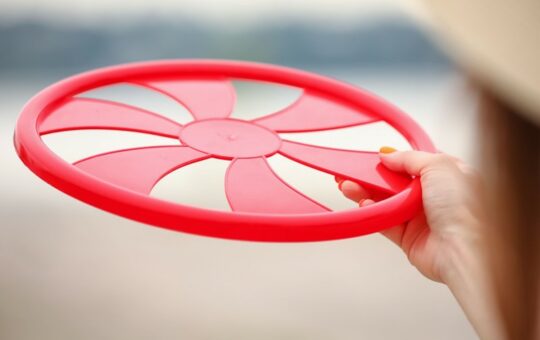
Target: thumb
{"points": [[414, 163]]}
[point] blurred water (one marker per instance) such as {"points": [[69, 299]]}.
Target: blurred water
{"points": [[70, 271]]}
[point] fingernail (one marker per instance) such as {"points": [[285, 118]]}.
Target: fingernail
{"points": [[361, 201], [387, 149]]}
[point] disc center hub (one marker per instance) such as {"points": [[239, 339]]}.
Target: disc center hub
{"points": [[230, 138]]}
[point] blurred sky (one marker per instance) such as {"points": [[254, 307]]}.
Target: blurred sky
{"points": [[224, 12]]}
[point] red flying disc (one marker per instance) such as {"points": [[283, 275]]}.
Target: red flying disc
{"points": [[263, 206]]}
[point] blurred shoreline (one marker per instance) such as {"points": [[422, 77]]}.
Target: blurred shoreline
{"points": [[387, 42]]}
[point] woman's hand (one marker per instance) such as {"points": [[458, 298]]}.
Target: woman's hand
{"points": [[445, 240], [434, 239]]}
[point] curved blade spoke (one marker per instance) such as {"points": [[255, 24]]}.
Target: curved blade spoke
{"points": [[139, 169], [87, 113], [362, 167], [252, 186], [314, 112], [212, 98]]}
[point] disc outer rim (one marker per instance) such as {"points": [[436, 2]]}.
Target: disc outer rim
{"points": [[230, 225]]}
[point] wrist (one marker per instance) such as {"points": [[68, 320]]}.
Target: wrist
{"points": [[467, 276], [464, 258]]}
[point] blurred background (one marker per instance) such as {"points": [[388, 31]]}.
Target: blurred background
{"points": [[71, 271]]}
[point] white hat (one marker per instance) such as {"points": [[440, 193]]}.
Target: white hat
{"points": [[498, 42]]}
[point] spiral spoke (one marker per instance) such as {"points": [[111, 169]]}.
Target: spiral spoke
{"points": [[210, 98], [252, 186], [87, 113], [360, 166], [314, 112], [139, 169]]}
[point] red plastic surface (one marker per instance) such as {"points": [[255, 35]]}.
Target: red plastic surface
{"points": [[312, 112], [139, 169], [86, 113], [252, 186], [206, 98], [265, 208], [230, 138], [363, 167]]}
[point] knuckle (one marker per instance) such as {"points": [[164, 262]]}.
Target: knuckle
{"points": [[443, 160], [439, 164]]}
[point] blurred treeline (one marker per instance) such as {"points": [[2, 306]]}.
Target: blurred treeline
{"points": [[385, 42]]}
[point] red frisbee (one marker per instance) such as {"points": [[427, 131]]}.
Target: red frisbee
{"points": [[263, 206]]}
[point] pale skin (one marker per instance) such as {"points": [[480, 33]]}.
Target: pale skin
{"points": [[444, 241]]}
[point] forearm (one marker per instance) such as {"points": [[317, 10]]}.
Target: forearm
{"points": [[467, 277]]}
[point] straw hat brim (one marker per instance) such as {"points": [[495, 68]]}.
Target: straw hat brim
{"points": [[498, 42]]}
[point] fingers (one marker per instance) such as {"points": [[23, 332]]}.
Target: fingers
{"points": [[353, 191], [357, 193], [394, 234], [365, 202], [413, 163]]}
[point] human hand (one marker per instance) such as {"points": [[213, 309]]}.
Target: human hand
{"points": [[449, 221]]}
